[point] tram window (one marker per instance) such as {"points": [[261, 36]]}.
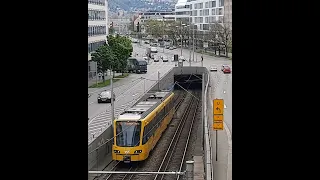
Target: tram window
{"points": [[145, 135]]}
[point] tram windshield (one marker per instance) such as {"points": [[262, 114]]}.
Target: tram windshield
{"points": [[128, 133]]}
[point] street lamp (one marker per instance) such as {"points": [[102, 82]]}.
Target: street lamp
{"points": [[181, 26], [112, 98], [163, 32], [189, 44]]}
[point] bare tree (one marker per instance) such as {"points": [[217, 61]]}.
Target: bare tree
{"points": [[221, 34]]}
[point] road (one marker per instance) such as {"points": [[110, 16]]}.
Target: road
{"points": [[221, 88], [130, 89]]}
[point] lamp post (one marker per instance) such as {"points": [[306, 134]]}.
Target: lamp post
{"points": [[181, 27]]}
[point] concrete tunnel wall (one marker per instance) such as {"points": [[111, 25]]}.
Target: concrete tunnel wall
{"points": [[101, 157]]}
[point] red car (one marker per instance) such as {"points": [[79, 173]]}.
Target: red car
{"points": [[226, 70]]}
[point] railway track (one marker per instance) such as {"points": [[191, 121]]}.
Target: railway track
{"points": [[175, 154], [119, 167], [126, 168], [181, 100]]}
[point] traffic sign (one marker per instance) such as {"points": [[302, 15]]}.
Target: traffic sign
{"points": [[218, 125], [218, 106], [217, 118]]}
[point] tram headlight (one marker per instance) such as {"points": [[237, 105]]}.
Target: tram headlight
{"points": [[138, 151], [116, 151]]}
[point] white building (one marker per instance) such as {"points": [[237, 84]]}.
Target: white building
{"points": [[157, 15], [206, 12], [120, 24], [202, 13], [97, 27], [182, 11]]}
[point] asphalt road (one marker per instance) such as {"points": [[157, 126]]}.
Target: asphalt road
{"points": [[221, 88], [130, 89]]}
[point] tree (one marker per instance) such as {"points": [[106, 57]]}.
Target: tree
{"points": [[104, 58], [122, 48], [221, 34], [155, 28]]}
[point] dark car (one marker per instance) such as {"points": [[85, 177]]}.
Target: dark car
{"points": [[142, 66], [105, 96]]}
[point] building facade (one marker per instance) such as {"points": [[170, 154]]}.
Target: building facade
{"points": [[182, 11], [157, 15], [120, 24], [205, 12], [228, 13], [97, 28]]}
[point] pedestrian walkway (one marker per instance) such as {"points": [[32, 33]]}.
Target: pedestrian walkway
{"points": [[95, 79]]}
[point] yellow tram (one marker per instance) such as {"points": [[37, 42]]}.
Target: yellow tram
{"points": [[138, 129]]}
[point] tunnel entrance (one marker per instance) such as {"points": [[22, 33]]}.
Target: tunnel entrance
{"points": [[188, 81]]}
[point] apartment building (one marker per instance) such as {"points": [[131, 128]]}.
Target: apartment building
{"points": [[205, 12], [97, 28]]}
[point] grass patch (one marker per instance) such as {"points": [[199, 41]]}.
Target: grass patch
{"points": [[107, 82]]}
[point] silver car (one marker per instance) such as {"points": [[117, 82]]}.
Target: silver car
{"points": [[105, 96], [165, 59]]}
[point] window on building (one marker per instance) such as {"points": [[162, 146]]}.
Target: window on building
{"points": [[219, 11], [212, 4], [206, 27], [206, 4], [206, 12], [195, 13], [212, 19], [206, 20], [213, 11], [221, 3], [201, 13]]}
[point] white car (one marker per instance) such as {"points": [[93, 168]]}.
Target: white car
{"points": [[165, 59], [213, 68], [153, 49], [105, 96]]}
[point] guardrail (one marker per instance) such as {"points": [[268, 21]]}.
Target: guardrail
{"points": [[207, 141]]}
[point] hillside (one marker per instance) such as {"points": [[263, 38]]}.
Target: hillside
{"points": [[139, 5]]}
